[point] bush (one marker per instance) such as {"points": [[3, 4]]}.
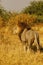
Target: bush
{"points": [[26, 18], [39, 19], [11, 19], [35, 7], [1, 22], [22, 18]]}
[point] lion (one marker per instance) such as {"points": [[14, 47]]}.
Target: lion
{"points": [[27, 36]]}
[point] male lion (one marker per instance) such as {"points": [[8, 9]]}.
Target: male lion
{"points": [[27, 36]]}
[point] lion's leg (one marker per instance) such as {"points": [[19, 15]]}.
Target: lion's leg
{"points": [[30, 43], [37, 41], [37, 44], [24, 47]]}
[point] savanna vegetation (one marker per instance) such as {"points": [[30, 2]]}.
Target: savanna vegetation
{"points": [[11, 48]]}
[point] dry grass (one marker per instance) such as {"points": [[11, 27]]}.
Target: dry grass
{"points": [[12, 51]]}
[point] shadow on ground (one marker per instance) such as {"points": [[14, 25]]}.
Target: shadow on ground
{"points": [[34, 48], [41, 49]]}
